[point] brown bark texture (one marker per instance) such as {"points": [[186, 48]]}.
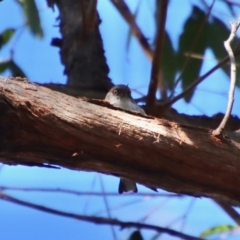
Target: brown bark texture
{"points": [[81, 48], [41, 126]]}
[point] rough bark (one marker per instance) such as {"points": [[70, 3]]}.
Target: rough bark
{"points": [[76, 91], [81, 47], [40, 126]]}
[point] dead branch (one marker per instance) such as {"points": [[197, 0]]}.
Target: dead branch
{"points": [[219, 131]]}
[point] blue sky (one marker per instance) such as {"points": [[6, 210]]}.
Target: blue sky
{"points": [[41, 63]]}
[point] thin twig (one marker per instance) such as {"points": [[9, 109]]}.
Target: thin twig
{"points": [[219, 131], [208, 59], [193, 85], [153, 211], [197, 81], [129, 17], [119, 206], [186, 214], [80, 193], [17, 39], [88, 198], [229, 210], [155, 73], [107, 206], [97, 220]]}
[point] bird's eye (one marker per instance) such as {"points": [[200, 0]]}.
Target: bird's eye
{"points": [[115, 92], [129, 93]]}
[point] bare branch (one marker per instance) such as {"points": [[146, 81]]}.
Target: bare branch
{"points": [[128, 16], [219, 131], [107, 207], [81, 193], [97, 220], [229, 210], [156, 65], [198, 81]]}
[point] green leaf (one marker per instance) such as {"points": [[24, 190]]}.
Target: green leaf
{"points": [[218, 30], [169, 62], [194, 39], [16, 70], [32, 17], [4, 65], [217, 230], [217, 35], [5, 36], [136, 235]]}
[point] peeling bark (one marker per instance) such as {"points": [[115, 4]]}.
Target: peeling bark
{"points": [[41, 126]]}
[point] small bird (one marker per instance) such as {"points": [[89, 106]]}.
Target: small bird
{"points": [[120, 96]]}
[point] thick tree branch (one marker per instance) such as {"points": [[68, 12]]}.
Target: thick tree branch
{"points": [[41, 126]]}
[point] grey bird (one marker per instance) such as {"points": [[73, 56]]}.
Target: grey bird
{"points": [[120, 96]]}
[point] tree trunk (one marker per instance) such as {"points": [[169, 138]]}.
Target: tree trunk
{"points": [[81, 47], [41, 126]]}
